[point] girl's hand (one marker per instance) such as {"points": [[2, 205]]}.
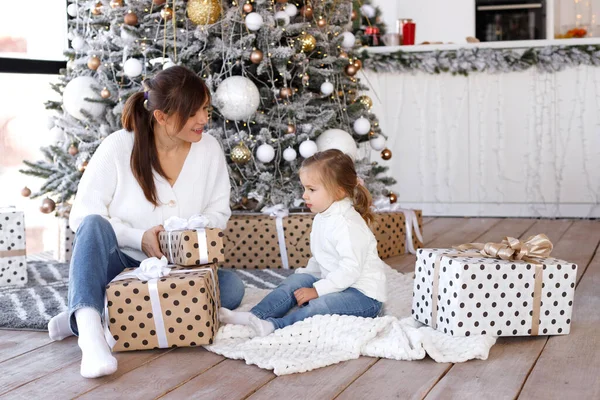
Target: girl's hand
{"points": [[150, 244], [304, 295]]}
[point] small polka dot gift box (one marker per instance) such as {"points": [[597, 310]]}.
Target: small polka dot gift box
{"points": [[64, 245], [192, 246], [174, 310], [461, 292], [13, 264]]}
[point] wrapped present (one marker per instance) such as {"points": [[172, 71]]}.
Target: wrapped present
{"points": [[64, 245], [511, 288], [160, 307], [188, 242], [279, 239], [13, 263]]}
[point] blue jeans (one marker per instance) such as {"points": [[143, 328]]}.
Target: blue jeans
{"points": [[277, 303], [97, 259]]}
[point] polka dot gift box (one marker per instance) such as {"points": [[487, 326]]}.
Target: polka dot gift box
{"points": [[13, 264], [64, 246], [177, 310], [461, 293], [192, 246]]}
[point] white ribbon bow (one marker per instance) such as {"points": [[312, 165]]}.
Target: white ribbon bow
{"points": [[411, 221], [279, 212], [196, 222], [150, 268]]}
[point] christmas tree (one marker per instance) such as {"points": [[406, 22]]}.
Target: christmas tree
{"points": [[282, 74]]}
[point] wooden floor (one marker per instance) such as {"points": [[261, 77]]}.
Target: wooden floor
{"points": [[560, 367]]}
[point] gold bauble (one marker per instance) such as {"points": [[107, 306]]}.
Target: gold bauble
{"points": [[83, 166], [357, 63], [307, 12], [248, 8], [159, 2], [48, 205], [308, 42], [166, 13], [131, 18], [321, 23], [105, 93], [291, 128], [386, 154], [393, 198], [116, 3], [343, 54], [256, 56], [25, 192], [372, 134], [97, 9], [366, 101], [204, 12], [93, 63], [354, 15], [73, 150], [305, 79], [350, 70], [285, 93], [282, 1], [241, 154]]}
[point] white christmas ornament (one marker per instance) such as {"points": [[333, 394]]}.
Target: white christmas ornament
{"points": [[237, 98], [348, 40], [72, 10], [132, 67], [289, 154], [127, 37], [75, 93], [308, 148], [368, 11], [254, 21], [70, 35], [282, 16], [291, 10], [378, 143], [327, 88], [168, 64], [78, 43], [337, 139], [362, 126], [265, 153]]}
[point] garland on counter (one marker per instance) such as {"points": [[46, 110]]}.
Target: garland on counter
{"points": [[465, 61]]}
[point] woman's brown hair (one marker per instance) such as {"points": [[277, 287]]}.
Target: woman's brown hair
{"points": [[339, 177], [175, 91]]}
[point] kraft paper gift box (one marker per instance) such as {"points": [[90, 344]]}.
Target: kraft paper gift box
{"points": [[13, 262], [192, 246], [462, 294], [177, 310]]}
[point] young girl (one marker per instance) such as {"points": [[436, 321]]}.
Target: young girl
{"points": [[345, 275]]}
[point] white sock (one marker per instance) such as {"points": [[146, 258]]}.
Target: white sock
{"points": [[260, 326], [96, 359], [234, 317], [59, 327]]}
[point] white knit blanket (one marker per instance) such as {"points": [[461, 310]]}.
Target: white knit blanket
{"points": [[328, 339]]}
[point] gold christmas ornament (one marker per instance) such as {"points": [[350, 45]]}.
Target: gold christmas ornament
{"points": [[25, 192], [166, 13], [372, 134], [357, 63], [393, 198], [83, 166], [116, 3], [204, 12], [282, 1], [343, 54], [321, 23], [305, 79], [256, 56], [354, 15], [131, 18], [105, 93], [241, 154], [308, 42], [248, 8], [366, 101], [159, 2], [93, 63], [48, 205], [350, 70], [97, 10], [73, 150], [386, 154], [291, 128], [307, 12], [285, 93]]}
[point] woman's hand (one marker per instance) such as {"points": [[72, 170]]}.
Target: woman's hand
{"points": [[150, 244], [304, 295]]}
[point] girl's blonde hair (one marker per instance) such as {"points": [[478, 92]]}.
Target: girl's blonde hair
{"points": [[338, 175]]}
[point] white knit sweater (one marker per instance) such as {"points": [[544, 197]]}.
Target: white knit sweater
{"points": [[108, 188]]}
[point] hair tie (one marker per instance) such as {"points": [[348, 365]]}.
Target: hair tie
{"points": [[146, 100]]}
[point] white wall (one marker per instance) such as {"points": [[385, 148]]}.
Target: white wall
{"points": [[437, 20]]}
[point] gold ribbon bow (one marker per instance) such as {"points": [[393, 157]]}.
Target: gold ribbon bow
{"points": [[535, 247]]}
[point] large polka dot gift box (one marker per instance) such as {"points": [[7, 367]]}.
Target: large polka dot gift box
{"points": [[463, 295], [178, 310], [192, 247], [13, 264]]}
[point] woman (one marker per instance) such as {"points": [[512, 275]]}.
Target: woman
{"points": [[160, 165]]}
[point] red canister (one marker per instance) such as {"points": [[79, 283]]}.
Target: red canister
{"points": [[408, 33]]}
